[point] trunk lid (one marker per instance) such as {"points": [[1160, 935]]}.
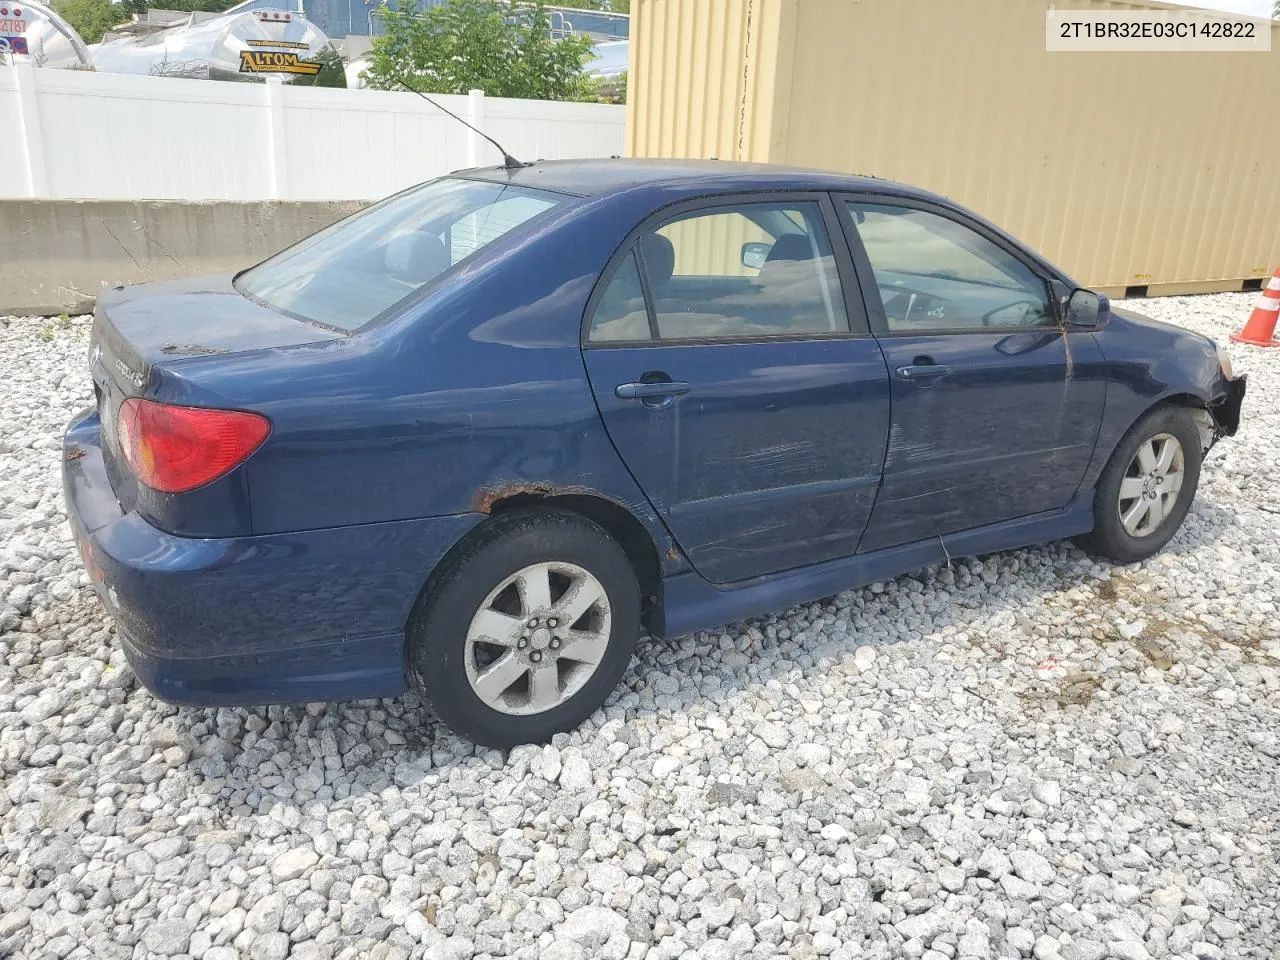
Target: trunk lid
{"points": [[138, 327], [139, 331]]}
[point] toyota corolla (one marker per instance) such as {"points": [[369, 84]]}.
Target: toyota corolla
{"points": [[479, 436]]}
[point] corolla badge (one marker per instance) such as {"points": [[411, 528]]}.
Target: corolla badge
{"points": [[129, 374]]}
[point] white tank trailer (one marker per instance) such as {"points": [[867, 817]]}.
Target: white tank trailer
{"points": [[251, 45], [35, 31]]}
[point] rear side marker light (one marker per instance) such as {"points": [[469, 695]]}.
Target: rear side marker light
{"points": [[175, 449]]}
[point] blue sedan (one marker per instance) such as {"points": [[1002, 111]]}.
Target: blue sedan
{"points": [[480, 435]]}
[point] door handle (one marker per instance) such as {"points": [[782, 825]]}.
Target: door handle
{"points": [[923, 371], [643, 391]]}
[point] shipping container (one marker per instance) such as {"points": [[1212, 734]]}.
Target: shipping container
{"points": [[1132, 170]]}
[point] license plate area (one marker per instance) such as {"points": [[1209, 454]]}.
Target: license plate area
{"points": [[109, 397], [104, 394], [108, 409], [107, 412]]}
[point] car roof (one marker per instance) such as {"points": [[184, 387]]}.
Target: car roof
{"points": [[587, 178], [667, 181]]}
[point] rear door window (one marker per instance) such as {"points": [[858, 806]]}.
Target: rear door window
{"points": [[742, 271], [754, 270], [621, 313]]}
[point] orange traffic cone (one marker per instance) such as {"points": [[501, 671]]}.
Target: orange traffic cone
{"points": [[1262, 322]]}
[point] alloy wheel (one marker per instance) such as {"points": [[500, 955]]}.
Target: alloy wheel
{"points": [[537, 638], [1151, 485]]}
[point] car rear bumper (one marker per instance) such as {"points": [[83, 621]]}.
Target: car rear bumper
{"points": [[278, 618]]}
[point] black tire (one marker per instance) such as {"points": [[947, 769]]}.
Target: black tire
{"points": [[1109, 537], [500, 548]]}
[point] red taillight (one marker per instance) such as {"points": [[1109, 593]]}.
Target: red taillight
{"points": [[175, 449]]}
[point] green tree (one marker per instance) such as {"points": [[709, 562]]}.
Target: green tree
{"points": [[205, 6], [481, 44], [614, 90], [91, 18], [331, 73]]}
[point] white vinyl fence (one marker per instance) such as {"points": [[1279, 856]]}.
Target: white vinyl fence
{"points": [[67, 134]]}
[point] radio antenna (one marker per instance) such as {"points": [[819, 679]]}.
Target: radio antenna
{"points": [[508, 161]]}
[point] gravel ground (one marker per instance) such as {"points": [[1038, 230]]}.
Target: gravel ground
{"points": [[1033, 754]]}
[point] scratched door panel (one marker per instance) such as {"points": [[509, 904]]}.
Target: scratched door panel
{"points": [[1007, 433], [772, 458]]}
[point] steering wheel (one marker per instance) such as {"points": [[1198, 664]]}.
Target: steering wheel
{"points": [[912, 302], [986, 317]]}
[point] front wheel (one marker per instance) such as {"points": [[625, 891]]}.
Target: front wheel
{"points": [[528, 629], [1147, 486]]}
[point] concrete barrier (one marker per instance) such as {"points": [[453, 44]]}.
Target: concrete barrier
{"points": [[56, 254]]}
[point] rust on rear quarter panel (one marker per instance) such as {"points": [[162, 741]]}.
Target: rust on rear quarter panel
{"points": [[486, 497]]}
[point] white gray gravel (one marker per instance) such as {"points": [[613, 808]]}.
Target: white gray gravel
{"points": [[1034, 754]]}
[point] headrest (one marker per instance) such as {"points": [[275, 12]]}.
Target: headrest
{"points": [[659, 258], [790, 246], [788, 261], [416, 257]]}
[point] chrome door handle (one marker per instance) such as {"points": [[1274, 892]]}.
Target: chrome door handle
{"points": [[923, 371], [642, 391]]}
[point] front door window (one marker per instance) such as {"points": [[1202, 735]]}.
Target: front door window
{"points": [[933, 274]]}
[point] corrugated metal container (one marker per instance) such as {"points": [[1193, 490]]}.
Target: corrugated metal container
{"points": [[1159, 170]]}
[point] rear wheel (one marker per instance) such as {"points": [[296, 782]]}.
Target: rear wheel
{"points": [[528, 629], [1147, 486]]}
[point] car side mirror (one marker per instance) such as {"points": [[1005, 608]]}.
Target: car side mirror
{"points": [[1087, 310], [754, 254]]}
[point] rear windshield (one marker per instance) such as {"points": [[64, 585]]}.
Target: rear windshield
{"points": [[347, 274]]}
